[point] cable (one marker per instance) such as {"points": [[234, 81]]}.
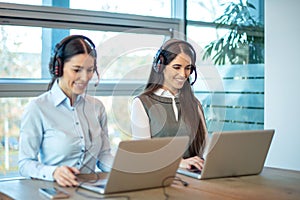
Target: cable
{"points": [[175, 178], [84, 165], [86, 180], [90, 137]]}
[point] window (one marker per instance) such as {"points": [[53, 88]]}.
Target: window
{"points": [[125, 44], [231, 86], [155, 8]]}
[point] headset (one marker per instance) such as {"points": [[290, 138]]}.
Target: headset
{"points": [[57, 63], [159, 58]]}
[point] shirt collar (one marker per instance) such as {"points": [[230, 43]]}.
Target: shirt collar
{"points": [[59, 96], [165, 93]]}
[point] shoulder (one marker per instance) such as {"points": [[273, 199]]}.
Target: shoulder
{"points": [[36, 105], [40, 101], [142, 96], [136, 101], [143, 99]]}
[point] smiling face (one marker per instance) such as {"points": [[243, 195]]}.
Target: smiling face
{"points": [[177, 72], [77, 72]]}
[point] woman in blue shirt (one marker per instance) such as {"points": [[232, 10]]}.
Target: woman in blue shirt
{"points": [[168, 107], [64, 131]]}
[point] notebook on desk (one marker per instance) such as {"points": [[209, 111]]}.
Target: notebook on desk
{"points": [[234, 153], [142, 164]]}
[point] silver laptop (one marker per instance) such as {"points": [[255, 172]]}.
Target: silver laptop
{"points": [[234, 153], [141, 164]]}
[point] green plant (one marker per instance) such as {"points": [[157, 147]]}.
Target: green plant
{"points": [[244, 43]]}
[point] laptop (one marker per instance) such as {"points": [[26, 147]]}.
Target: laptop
{"points": [[233, 153], [142, 164]]}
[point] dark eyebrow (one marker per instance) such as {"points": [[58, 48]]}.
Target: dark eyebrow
{"points": [[77, 66], [177, 65], [80, 67]]}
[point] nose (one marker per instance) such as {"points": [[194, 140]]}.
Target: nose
{"points": [[85, 75], [183, 72]]}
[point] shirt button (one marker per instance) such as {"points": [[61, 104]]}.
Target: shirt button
{"points": [[44, 176], [77, 123]]}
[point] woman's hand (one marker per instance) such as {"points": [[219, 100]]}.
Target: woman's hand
{"points": [[66, 176], [195, 161]]}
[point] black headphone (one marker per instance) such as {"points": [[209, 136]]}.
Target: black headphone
{"points": [[56, 62], [159, 58]]}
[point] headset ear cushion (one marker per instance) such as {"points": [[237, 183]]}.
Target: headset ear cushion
{"points": [[157, 61], [157, 64], [58, 69]]}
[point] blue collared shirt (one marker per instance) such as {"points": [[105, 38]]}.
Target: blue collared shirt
{"points": [[53, 133]]}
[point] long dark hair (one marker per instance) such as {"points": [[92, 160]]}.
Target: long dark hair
{"points": [[66, 49], [190, 105]]}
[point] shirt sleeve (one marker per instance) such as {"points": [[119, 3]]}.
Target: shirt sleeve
{"points": [[31, 133], [140, 126]]}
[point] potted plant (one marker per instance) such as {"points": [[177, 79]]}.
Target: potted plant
{"points": [[244, 43]]}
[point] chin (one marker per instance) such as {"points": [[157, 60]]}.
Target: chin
{"points": [[179, 86], [78, 92]]}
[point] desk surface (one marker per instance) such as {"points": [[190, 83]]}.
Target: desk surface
{"points": [[270, 184]]}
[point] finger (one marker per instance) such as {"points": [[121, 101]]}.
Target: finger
{"points": [[196, 163], [70, 176], [64, 182], [65, 177], [74, 170], [197, 159]]}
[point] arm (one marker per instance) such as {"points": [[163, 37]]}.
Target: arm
{"points": [[140, 126], [31, 137], [196, 161], [203, 121]]}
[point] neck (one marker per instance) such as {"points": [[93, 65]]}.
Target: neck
{"points": [[71, 96], [174, 92], [72, 99]]}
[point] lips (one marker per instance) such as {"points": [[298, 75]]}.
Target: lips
{"points": [[181, 81], [80, 85]]}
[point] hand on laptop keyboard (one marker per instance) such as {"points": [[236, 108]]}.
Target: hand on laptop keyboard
{"points": [[195, 170], [193, 162]]}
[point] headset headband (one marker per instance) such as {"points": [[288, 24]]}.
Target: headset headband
{"points": [[56, 67]]}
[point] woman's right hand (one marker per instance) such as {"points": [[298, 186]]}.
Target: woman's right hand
{"points": [[66, 176], [195, 161]]}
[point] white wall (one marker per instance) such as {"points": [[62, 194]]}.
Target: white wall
{"points": [[282, 82]]}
